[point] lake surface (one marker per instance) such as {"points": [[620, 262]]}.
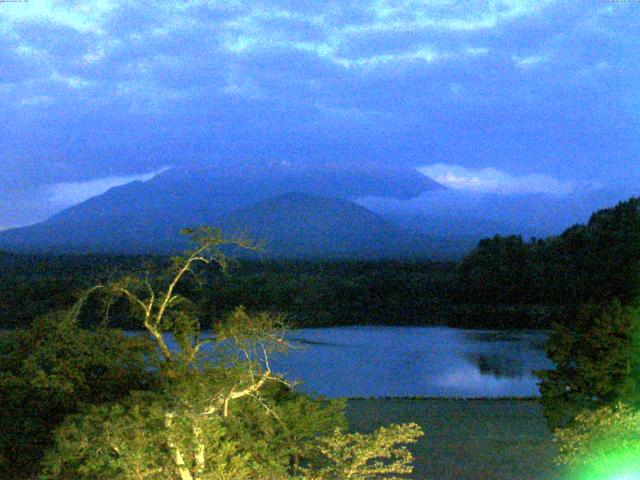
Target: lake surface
{"points": [[414, 361], [381, 361]]}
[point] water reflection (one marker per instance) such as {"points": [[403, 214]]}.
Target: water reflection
{"points": [[414, 361], [499, 366]]}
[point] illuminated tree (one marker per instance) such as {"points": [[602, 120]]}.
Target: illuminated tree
{"points": [[601, 440], [220, 412], [54, 369], [596, 361], [602, 444]]}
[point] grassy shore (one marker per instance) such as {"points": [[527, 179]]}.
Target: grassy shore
{"points": [[468, 439]]}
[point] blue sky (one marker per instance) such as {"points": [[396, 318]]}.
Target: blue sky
{"points": [[509, 96]]}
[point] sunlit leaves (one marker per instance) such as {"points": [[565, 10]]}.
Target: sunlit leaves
{"points": [[218, 411], [55, 369], [382, 454], [597, 361], [602, 444]]}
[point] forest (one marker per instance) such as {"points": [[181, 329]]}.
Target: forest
{"points": [[505, 282], [85, 399]]}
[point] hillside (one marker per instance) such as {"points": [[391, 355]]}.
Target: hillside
{"points": [[145, 217], [296, 225]]}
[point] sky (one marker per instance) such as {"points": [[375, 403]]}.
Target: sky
{"points": [[504, 96]]}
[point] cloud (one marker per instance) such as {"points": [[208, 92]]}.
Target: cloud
{"points": [[394, 32], [35, 100], [71, 82], [66, 194], [530, 61], [491, 180], [85, 16], [112, 88]]}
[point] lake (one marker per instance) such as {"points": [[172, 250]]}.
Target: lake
{"points": [[414, 361]]}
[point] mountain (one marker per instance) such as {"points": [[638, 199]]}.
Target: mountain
{"points": [[145, 217], [296, 225], [466, 217]]}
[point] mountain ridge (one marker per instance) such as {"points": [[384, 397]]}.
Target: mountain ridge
{"points": [[297, 225], [145, 217]]}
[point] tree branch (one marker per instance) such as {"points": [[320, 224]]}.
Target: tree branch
{"points": [[178, 458]]}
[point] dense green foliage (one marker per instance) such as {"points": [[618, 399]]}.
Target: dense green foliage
{"points": [[602, 443], [505, 282], [597, 349], [310, 293], [55, 369], [176, 402], [468, 439], [32, 286], [339, 293], [597, 359], [140, 436], [597, 262]]}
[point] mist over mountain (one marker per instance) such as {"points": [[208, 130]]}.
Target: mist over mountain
{"points": [[145, 217], [309, 211], [464, 217]]}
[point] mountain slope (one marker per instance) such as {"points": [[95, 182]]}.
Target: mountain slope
{"points": [[471, 215], [296, 225], [145, 217]]}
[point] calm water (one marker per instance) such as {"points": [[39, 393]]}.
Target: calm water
{"points": [[414, 361]]}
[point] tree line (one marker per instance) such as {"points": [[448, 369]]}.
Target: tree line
{"points": [[505, 282], [72, 381], [597, 262]]}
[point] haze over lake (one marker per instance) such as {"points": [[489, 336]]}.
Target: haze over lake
{"points": [[377, 361], [414, 361]]}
